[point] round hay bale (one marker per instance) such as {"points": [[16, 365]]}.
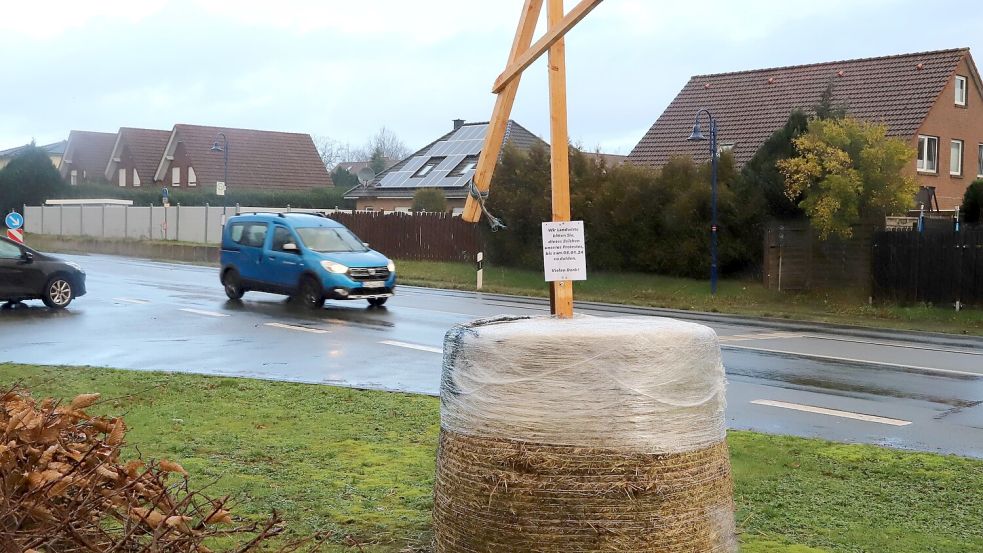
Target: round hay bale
{"points": [[583, 435]]}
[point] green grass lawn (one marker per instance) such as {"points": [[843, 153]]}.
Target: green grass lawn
{"points": [[742, 297], [361, 464]]}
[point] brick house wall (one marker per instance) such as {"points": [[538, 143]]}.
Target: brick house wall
{"points": [[181, 166], [948, 121]]}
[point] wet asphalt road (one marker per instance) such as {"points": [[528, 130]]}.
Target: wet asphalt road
{"points": [[907, 390]]}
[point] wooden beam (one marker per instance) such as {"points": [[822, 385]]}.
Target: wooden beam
{"points": [[503, 110], [555, 32], [562, 292]]}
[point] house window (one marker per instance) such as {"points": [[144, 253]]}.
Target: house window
{"points": [[136, 178], [75, 177], [192, 177], [979, 161], [928, 154], [122, 177], [468, 164], [956, 157], [175, 176], [724, 147], [428, 167], [960, 90]]}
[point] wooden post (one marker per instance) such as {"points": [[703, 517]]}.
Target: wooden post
{"points": [[561, 297], [503, 109]]}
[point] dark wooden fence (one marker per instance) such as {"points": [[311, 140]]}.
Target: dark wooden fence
{"points": [[795, 258], [421, 236], [937, 267]]}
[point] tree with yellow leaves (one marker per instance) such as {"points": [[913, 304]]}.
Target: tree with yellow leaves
{"points": [[848, 171]]}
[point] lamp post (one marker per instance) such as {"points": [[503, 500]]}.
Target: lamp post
{"points": [[225, 179], [698, 136]]}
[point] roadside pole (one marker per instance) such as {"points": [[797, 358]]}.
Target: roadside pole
{"points": [[481, 269]]}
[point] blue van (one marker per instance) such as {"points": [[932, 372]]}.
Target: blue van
{"points": [[309, 257]]}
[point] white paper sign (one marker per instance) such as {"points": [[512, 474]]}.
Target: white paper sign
{"points": [[219, 188], [564, 251]]}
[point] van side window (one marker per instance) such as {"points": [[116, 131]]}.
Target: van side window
{"points": [[235, 232], [281, 236], [254, 235]]}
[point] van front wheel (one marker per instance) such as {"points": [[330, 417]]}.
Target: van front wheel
{"points": [[311, 293]]}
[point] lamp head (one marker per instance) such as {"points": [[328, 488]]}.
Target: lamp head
{"points": [[697, 133], [216, 147]]}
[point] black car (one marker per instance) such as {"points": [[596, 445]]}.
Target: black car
{"points": [[26, 274]]}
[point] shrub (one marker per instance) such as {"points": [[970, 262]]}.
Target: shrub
{"points": [[64, 488], [429, 199], [973, 203]]}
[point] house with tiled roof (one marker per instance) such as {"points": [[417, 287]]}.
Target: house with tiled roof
{"points": [[55, 151], [86, 156], [258, 160], [933, 100], [135, 156], [447, 163]]}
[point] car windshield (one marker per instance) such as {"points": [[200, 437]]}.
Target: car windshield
{"points": [[326, 240]]}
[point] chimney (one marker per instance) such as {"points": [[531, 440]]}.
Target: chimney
{"points": [[458, 123]]}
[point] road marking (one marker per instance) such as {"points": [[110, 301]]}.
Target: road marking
{"points": [[205, 313], [895, 345], [128, 300], [831, 412], [299, 328], [760, 336], [850, 360], [411, 346]]}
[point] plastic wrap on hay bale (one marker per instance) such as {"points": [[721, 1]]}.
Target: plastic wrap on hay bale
{"points": [[583, 435]]}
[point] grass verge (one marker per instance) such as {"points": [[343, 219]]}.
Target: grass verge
{"points": [[739, 297], [361, 464]]}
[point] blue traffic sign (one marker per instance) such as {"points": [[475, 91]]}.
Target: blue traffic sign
{"points": [[14, 220], [163, 193]]}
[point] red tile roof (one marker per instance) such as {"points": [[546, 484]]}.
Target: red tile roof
{"points": [[750, 105], [264, 160], [88, 153], [147, 148]]}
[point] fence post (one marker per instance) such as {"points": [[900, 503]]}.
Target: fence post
{"points": [[177, 224], [61, 219], [103, 220], [126, 222], [206, 222]]}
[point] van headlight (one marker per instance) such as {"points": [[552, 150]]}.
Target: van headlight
{"points": [[391, 266], [333, 267]]}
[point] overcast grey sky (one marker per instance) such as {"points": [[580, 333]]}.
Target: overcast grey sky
{"points": [[343, 69]]}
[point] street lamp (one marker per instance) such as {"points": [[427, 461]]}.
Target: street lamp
{"points": [[698, 136], [225, 179]]}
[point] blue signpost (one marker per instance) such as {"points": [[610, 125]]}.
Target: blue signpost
{"points": [[14, 222]]}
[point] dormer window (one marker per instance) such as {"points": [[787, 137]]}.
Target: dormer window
{"points": [[462, 168], [428, 167], [961, 85]]}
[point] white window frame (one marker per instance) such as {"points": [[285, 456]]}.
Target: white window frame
{"points": [[175, 176], [192, 177], [136, 178], [923, 149], [75, 177], [959, 158], [962, 86], [122, 176]]}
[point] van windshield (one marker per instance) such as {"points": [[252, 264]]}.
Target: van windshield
{"points": [[328, 240]]}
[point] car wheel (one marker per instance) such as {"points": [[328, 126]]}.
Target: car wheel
{"points": [[377, 302], [233, 286], [58, 293], [311, 293]]}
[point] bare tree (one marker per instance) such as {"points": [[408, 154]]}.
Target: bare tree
{"points": [[386, 143], [333, 151]]}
